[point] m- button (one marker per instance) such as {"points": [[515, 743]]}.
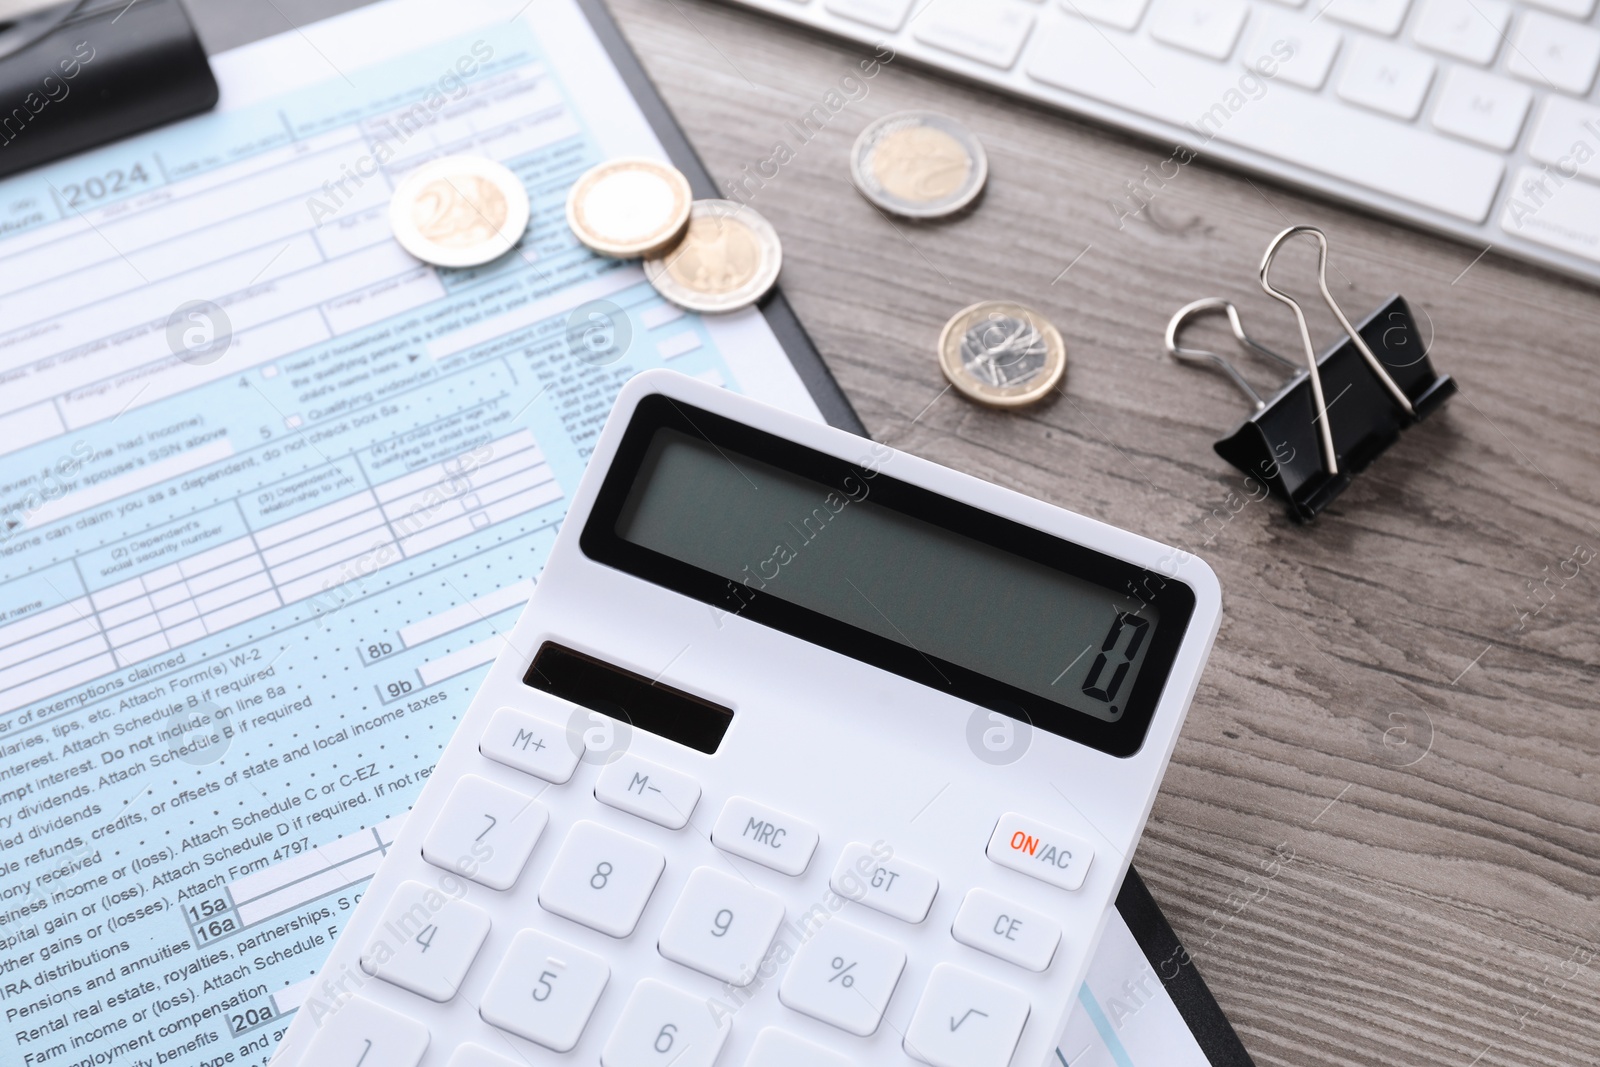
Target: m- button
{"points": [[768, 837], [1044, 852]]}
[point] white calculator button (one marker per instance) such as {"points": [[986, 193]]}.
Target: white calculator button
{"points": [[426, 941], [965, 1020], [485, 832], [1006, 929], [530, 744], [545, 990], [663, 1027], [649, 791], [884, 882], [364, 1034], [769, 837], [602, 878], [1044, 852], [478, 1056], [721, 926], [778, 1048], [844, 976]]}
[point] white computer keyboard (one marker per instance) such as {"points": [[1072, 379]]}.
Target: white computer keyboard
{"points": [[698, 818], [1475, 118]]}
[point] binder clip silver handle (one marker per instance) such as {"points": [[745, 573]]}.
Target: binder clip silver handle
{"points": [[1325, 432], [1201, 357]]}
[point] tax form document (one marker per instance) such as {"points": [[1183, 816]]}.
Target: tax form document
{"points": [[269, 490]]}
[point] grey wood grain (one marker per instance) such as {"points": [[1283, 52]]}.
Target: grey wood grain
{"points": [[1375, 707]]}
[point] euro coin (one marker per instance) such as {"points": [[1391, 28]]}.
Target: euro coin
{"points": [[1002, 354], [919, 164], [628, 208], [727, 260], [459, 211]]}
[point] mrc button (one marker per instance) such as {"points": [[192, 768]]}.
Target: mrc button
{"points": [[1048, 854], [769, 837]]}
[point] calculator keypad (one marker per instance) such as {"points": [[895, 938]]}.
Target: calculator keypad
{"points": [[844, 976], [721, 926], [888, 884], [426, 942], [648, 790], [486, 832], [545, 990], [531, 744], [664, 1027], [965, 1020], [1040, 851], [362, 1033], [1003, 928], [765, 835], [602, 878]]}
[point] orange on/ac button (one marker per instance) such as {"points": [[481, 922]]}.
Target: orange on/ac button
{"points": [[1048, 854]]}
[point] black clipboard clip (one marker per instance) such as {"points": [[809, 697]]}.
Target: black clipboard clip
{"points": [[1339, 411], [87, 72]]}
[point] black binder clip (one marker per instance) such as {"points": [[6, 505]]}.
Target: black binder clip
{"points": [[1339, 411]]}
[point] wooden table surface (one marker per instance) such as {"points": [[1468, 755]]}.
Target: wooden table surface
{"points": [[1403, 696], [1380, 836]]}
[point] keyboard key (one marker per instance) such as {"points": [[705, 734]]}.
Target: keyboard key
{"points": [[1564, 124], [648, 790], [1578, 9], [663, 1027], [602, 879], [1379, 16], [966, 1020], [989, 31], [1310, 47], [883, 14], [1482, 107], [1424, 168], [363, 1034], [530, 744], [485, 832], [478, 1056], [1004, 928], [778, 1048], [1554, 52], [426, 942], [1204, 27], [1565, 216], [1044, 852], [1123, 14], [1467, 29], [764, 835], [888, 884], [545, 990], [1386, 78], [721, 926], [843, 976]]}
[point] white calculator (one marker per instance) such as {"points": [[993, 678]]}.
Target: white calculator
{"points": [[805, 753]]}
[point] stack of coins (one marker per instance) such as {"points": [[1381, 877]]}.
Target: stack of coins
{"points": [[704, 255]]}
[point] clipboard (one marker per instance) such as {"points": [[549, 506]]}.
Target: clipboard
{"points": [[1204, 1016]]}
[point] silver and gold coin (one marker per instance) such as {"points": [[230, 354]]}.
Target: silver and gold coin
{"points": [[919, 164], [727, 260], [629, 208], [1002, 353], [459, 211]]}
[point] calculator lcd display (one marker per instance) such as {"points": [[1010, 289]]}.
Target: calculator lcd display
{"points": [[845, 555]]}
